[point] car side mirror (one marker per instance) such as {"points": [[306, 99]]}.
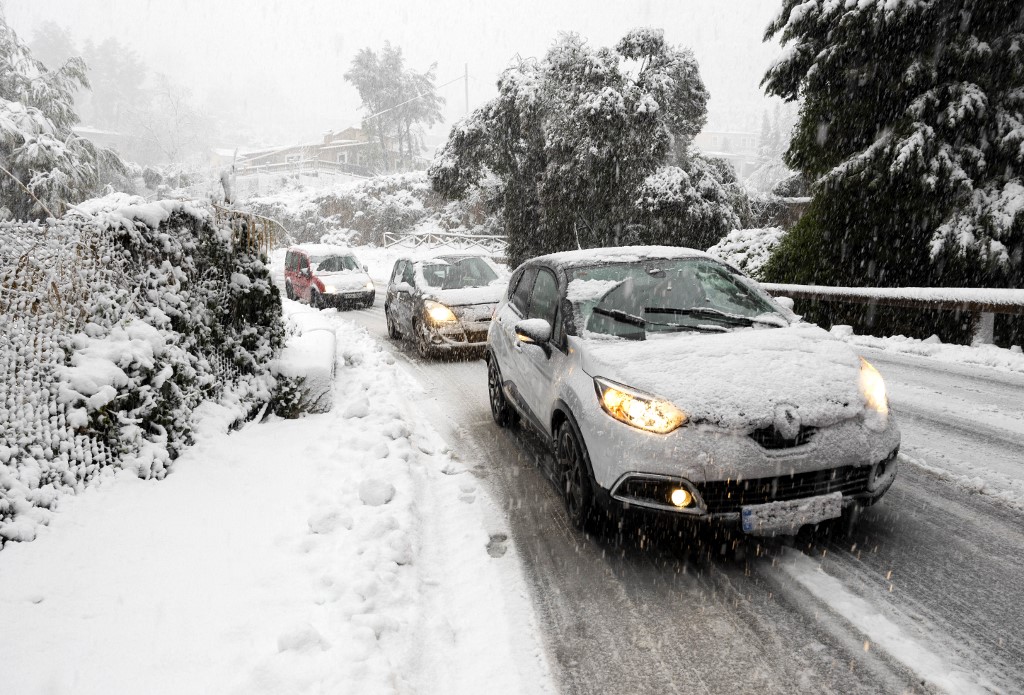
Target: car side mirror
{"points": [[787, 302], [306, 273], [534, 332], [366, 268]]}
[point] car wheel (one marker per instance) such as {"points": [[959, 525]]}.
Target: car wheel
{"points": [[422, 339], [393, 331], [288, 291], [501, 410], [576, 488]]}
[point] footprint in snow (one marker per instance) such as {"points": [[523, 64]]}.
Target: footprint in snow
{"points": [[497, 545]]}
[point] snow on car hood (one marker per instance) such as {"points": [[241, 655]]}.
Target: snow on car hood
{"points": [[344, 280], [488, 294], [739, 379]]}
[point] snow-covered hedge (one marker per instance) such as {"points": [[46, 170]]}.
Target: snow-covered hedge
{"points": [[118, 321], [748, 249]]}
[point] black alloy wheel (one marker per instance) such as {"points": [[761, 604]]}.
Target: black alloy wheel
{"points": [[501, 410], [576, 488], [393, 331]]}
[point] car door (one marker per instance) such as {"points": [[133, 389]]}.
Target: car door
{"points": [[507, 348], [391, 298], [407, 298], [303, 277], [541, 365]]}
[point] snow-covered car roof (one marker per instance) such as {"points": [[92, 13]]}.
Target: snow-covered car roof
{"points": [[618, 254], [322, 249]]}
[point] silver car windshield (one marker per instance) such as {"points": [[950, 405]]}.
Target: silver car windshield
{"points": [[459, 273], [631, 300]]}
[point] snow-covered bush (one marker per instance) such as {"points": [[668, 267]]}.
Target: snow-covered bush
{"points": [[362, 212], [120, 319], [748, 249]]}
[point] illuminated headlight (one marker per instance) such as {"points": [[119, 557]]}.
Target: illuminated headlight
{"points": [[637, 409], [872, 386], [330, 290], [438, 312], [369, 284]]}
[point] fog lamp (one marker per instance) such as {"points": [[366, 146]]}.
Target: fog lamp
{"points": [[681, 497]]}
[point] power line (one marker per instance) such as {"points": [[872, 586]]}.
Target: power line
{"points": [[409, 101]]}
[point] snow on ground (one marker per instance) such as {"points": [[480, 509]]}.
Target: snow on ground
{"points": [[345, 552], [1003, 359]]}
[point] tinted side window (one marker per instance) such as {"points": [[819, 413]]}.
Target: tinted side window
{"points": [[289, 260], [409, 273], [303, 262], [521, 297], [544, 298], [396, 272], [512, 284]]}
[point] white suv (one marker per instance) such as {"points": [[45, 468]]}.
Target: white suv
{"points": [[666, 380]]}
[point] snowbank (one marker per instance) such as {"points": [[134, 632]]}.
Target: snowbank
{"points": [[308, 357], [1003, 359], [343, 553]]}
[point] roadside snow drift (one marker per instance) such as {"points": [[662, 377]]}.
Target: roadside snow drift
{"points": [[337, 553]]}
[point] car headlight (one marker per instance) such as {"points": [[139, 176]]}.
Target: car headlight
{"points": [[438, 312], [328, 289], [872, 386], [369, 284], [637, 409]]}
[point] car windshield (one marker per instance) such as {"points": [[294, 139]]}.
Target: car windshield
{"points": [[458, 273], [632, 300], [336, 263]]}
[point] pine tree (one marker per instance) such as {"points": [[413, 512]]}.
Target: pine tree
{"points": [[592, 146], [912, 126]]}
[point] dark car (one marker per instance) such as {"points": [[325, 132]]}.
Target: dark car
{"points": [[443, 303]]}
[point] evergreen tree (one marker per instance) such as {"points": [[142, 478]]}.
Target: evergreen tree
{"points": [[912, 127], [592, 146], [46, 166]]}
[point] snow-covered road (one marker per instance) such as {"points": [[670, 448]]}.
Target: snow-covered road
{"points": [[926, 596]]}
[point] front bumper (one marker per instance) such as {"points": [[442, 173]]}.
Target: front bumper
{"points": [[347, 298], [459, 335], [723, 500]]}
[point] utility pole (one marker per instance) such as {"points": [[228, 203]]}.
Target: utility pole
{"points": [[467, 87]]}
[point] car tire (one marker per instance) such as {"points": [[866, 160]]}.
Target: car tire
{"points": [[393, 331], [501, 409], [574, 474], [422, 340], [289, 292]]}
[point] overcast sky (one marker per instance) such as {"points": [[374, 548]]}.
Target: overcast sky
{"points": [[284, 59]]}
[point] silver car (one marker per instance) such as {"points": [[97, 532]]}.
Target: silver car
{"points": [[443, 304], [666, 380]]}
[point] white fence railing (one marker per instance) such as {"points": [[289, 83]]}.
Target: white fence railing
{"points": [[984, 303], [493, 244]]}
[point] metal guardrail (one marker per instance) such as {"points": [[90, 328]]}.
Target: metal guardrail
{"points": [[984, 303], [315, 166]]}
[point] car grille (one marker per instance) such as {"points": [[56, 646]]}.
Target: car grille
{"points": [[725, 496], [771, 438]]}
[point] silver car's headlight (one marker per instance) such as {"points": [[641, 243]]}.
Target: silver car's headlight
{"points": [[329, 289], [872, 387], [638, 409], [369, 284], [438, 312]]}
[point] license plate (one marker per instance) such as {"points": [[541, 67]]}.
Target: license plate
{"points": [[786, 518]]}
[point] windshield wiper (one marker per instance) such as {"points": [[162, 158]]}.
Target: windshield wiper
{"points": [[621, 316], [707, 312]]}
